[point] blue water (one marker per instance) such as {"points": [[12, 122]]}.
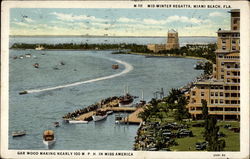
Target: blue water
{"points": [[37, 112]]}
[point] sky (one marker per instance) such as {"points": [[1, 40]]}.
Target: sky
{"points": [[117, 22]]}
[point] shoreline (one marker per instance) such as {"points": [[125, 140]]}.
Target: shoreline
{"points": [[149, 55]]}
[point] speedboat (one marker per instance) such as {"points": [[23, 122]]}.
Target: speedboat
{"points": [[18, 133], [36, 65], [99, 115], [115, 66], [49, 138], [78, 122], [56, 124], [23, 92]]}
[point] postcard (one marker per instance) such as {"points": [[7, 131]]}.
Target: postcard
{"points": [[125, 79]]}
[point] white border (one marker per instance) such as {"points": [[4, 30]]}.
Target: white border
{"points": [[245, 48]]}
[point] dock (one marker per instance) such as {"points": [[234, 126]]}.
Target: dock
{"points": [[108, 104], [88, 116], [133, 117]]}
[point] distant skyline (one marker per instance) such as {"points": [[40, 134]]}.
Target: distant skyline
{"points": [[117, 22]]}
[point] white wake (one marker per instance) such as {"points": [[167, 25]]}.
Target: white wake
{"points": [[127, 69]]}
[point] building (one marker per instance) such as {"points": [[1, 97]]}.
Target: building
{"points": [[172, 43], [173, 40], [156, 47], [222, 92]]}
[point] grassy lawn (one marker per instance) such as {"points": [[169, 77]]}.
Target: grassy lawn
{"points": [[188, 143]]}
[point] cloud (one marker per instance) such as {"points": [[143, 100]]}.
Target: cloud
{"points": [[215, 14], [152, 21], [21, 24], [183, 19], [126, 20], [71, 17], [29, 20]]}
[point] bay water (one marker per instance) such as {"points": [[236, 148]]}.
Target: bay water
{"points": [[36, 112]]}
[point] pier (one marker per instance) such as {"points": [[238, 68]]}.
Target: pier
{"points": [[109, 104], [88, 116], [133, 117]]}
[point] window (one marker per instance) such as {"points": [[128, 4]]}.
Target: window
{"points": [[202, 87], [193, 93], [212, 101], [202, 94], [233, 47], [235, 28], [223, 41], [223, 47], [221, 94], [234, 94], [233, 41], [228, 72], [193, 100], [212, 93], [222, 64], [216, 93], [216, 101], [221, 101], [222, 70], [222, 76], [234, 87], [235, 21]]}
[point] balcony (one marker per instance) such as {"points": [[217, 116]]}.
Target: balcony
{"points": [[232, 69]]}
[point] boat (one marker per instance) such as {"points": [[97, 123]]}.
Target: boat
{"points": [[99, 115], [126, 100], [49, 138], [36, 65], [110, 112], [23, 92], [78, 122], [18, 133], [142, 101], [115, 66], [39, 47], [28, 55], [118, 118], [56, 124]]}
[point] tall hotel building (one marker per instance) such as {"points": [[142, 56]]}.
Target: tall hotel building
{"points": [[222, 92]]}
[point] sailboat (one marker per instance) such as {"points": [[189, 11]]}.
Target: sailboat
{"points": [[142, 101], [126, 100]]}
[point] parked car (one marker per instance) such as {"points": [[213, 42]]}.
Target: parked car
{"points": [[201, 145]]}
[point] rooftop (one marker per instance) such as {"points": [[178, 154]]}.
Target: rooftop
{"points": [[172, 31], [234, 11], [228, 31]]}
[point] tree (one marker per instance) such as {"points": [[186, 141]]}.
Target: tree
{"points": [[211, 130], [204, 109], [208, 68], [181, 110]]}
